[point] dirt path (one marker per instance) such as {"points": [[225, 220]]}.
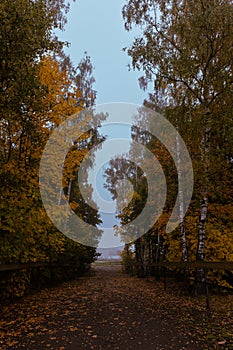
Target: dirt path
{"points": [[108, 310]]}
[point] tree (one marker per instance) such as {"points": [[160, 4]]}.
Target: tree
{"points": [[36, 95], [82, 77], [186, 48]]}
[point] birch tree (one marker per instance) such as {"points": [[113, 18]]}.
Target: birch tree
{"points": [[186, 49]]}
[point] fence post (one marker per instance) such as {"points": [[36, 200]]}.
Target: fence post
{"points": [[208, 310], [165, 278]]}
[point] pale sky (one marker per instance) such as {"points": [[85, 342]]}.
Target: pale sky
{"points": [[98, 28]]}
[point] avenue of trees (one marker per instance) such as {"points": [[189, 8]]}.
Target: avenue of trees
{"points": [[185, 49], [39, 88]]}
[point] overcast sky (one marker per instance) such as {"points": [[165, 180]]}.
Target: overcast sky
{"points": [[98, 28]]}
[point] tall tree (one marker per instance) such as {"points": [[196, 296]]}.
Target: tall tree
{"points": [[186, 48], [82, 77], [36, 95]]}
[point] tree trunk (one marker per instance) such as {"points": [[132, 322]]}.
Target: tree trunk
{"points": [[157, 256], [128, 266], [139, 259], [199, 287], [149, 254], [181, 206]]}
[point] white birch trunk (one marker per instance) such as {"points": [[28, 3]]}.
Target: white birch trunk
{"points": [[69, 190], [181, 205], [200, 254], [61, 188]]}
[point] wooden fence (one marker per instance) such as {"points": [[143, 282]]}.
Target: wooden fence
{"points": [[15, 267], [205, 265]]}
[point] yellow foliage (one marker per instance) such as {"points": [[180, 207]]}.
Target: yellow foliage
{"points": [[61, 97]]}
